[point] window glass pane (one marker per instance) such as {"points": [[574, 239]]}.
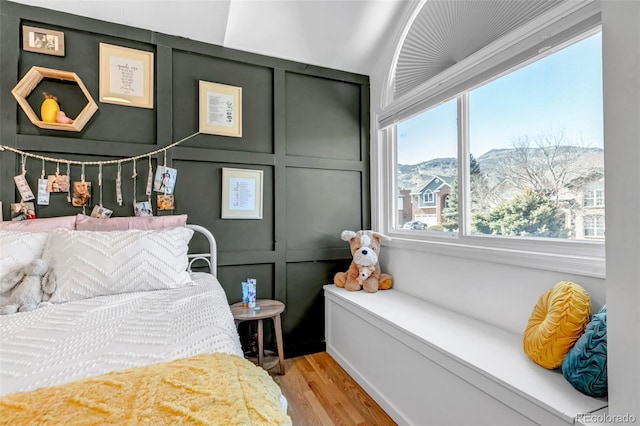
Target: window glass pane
{"points": [[427, 151], [536, 137]]}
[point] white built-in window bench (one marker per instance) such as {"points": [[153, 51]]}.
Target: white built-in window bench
{"points": [[426, 365]]}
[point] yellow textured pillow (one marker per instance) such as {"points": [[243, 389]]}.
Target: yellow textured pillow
{"points": [[556, 323]]}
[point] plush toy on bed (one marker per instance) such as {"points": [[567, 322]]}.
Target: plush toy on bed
{"points": [[26, 287], [365, 248]]}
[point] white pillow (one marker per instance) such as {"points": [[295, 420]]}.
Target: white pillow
{"points": [[17, 248], [97, 263]]}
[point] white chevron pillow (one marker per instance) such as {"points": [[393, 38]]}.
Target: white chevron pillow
{"points": [[94, 263], [17, 248]]}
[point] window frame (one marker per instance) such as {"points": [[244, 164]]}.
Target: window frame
{"points": [[598, 231], [427, 200], [581, 257]]}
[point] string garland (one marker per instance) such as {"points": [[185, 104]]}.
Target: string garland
{"points": [[82, 189], [94, 163]]}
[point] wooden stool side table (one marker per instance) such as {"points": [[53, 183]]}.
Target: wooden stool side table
{"points": [[268, 309]]}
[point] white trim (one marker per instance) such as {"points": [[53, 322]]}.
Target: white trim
{"points": [[533, 257]]}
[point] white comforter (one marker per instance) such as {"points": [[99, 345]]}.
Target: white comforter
{"points": [[59, 343]]}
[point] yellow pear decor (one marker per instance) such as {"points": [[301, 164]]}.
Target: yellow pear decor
{"points": [[50, 108]]}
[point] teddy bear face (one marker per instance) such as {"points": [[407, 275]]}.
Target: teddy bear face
{"points": [[364, 241], [37, 267], [365, 246]]}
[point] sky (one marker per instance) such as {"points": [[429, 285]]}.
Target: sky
{"points": [[560, 94]]}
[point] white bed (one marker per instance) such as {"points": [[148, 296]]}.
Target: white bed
{"points": [[68, 341], [63, 342]]}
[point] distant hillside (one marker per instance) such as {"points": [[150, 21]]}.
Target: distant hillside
{"points": [[415, 175]]}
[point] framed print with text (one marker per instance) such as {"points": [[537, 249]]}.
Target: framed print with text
{"points": [[41, 40], [241, 194], [220, 109], [126, 76]]}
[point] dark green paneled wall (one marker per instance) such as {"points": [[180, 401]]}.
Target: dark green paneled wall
{"points": [[305, 127]]}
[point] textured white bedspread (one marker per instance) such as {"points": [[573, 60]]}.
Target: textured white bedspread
{"points": [[59, 343]]}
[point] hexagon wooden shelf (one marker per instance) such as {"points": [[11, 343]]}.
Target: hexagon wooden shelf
{"points": [[31, 80]]}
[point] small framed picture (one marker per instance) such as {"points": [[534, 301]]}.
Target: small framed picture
{"points": [[41, 40], [220, 109], [241, 194], [165, 179], [126, 76], [142, 209], [22, 211]]}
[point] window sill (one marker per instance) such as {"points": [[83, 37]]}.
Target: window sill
{"points": [[585, 264]]}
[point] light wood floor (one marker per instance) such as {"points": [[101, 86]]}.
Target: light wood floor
{"points": [[320, 392]]}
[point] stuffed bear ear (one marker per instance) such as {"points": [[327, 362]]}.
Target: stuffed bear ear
{"points": [[381, 237], [49, 283], [347, 235], [10, 280]]}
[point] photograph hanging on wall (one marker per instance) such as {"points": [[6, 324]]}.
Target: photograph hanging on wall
{"points": [[100, 212], [23, 211], [41, 40], [165, 179], [58, 183], [126, 76], [81, 194], [220, 109], [165, 202], [241, 194], [143, 209]]}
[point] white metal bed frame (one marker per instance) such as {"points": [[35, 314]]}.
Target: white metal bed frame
{"points": [[211, 257]]}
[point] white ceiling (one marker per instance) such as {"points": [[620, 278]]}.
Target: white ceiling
{"points": [[339, 34]]}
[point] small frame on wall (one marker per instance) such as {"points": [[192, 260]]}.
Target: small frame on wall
{"points": [[41, 40], [126, 76], [220, 109], [241, 194]]}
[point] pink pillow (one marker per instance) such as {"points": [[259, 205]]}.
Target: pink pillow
{"points": [[88, 223], [40, 225]]}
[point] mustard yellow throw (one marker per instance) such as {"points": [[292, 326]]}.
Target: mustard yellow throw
{"points": [[210, 389], [556, 323]]}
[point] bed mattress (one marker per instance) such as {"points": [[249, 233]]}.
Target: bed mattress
{"points": [[59, 343]]}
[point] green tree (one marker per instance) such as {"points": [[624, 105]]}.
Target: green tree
{"points": [[450, 212], [528, 214]]}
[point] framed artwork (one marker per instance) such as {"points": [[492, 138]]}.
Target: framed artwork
{"points": [[241, 194], [126, 76], [41, 40], [220, 109]]}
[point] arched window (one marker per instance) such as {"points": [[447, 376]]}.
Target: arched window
{"points": [[483, 94]]}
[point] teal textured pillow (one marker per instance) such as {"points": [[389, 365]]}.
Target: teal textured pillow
{"points": [[585, 366]]}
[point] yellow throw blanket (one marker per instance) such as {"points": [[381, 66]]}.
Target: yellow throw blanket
{"points": [[209, 389]]}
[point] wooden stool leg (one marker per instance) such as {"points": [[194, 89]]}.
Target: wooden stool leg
{"points": [[278, 327], [260, 344]]}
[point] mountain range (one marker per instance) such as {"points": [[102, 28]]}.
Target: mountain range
{"points": [[414, 176]]}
